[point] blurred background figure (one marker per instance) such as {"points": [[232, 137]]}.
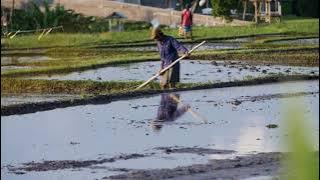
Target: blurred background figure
{"points": [[186, 22], [4, 23]]}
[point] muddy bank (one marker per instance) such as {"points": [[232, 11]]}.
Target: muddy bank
{"points": [[262, 164], [240, 167], [300, 41], [193, 150], [290, 57], [11, 99], [102, 99], [14, 60], [70, 164], [91, 164]]}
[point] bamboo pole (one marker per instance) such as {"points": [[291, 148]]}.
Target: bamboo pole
{"points": [[255, 12], [36, 30], [195, 114], [171, 65], [14, 34], [244, 9], [11, 13]]}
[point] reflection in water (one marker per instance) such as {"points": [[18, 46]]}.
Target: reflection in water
{"points": [[168, 110]]}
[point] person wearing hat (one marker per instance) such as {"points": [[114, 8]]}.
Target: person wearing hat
{"points": [[168, 48]]}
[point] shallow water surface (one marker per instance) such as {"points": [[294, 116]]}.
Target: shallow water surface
{"points": [[237, 119], [191, 71], [311, 41]]}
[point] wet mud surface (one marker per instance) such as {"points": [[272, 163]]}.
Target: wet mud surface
{"points": [[261, 164], [128, 146], [9, 60], [191, 71], [311, 41], [238, 168]]}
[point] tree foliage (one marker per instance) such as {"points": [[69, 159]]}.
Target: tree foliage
{"points": [[307, 8], [37, 17], [223, 7]]}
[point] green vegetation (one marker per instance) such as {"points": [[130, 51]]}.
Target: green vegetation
{"points": [[16, 86], [89, 87], [303, 161], [292, 27], [223, 7], [307, 8], [32, 18]]}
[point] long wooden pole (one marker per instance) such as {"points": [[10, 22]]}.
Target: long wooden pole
{"points": [[192, 112], [11, 13], [244, 9], [171, 65]]}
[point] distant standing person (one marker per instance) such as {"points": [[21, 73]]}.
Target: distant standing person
{"points": [[186, 22], [168, 48], [4, 23]]}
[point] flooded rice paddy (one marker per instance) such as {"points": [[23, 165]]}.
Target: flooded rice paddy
{"points": [[191, 71], [97, 141], [225, 133]]}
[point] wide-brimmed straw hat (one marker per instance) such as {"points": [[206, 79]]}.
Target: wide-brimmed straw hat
{"points": [[156, 33]]}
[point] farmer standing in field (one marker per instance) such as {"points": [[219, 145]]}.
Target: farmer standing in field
{"points": [[168, 48], [186, 22]]}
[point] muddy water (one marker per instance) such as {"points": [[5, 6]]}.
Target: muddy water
{"points": [[191, 71], [207, 46], [254, 38], [312, 41], [237, 119]]}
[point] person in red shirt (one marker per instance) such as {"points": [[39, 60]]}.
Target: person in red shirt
{"points": [[186, 22]]}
